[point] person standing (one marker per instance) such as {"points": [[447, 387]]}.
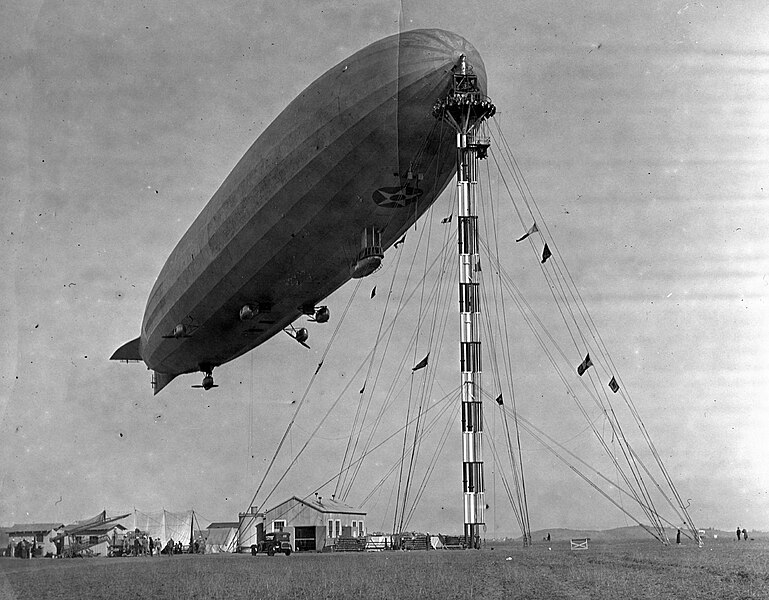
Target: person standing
{"points": [[739, 531], [678, 536], [745, 534]]}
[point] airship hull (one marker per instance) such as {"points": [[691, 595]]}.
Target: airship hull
{"points": [[357, 149]]}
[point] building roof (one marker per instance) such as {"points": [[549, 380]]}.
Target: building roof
{"points": [[21, 528], [223, 525], [96, 528], [325, 505]]}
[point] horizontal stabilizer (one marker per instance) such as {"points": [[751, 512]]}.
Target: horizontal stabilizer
{"points": [[128, 351], [161, 380]]}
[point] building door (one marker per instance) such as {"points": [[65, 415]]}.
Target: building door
{"points": [[304, 538]]}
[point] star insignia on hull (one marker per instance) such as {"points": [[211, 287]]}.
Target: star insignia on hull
{"points": [[396, 197]]}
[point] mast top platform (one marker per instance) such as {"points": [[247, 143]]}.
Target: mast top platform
{"points": [[465, 106]]}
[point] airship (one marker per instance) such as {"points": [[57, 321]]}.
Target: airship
{"points": [[333, 182]]}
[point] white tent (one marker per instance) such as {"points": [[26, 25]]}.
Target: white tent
{"points": [[166, 525], [222, 537], [436, 542]]}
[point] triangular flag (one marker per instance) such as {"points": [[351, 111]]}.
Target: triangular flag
{"points": [[421, 364], [373, 292], [499, 400], [320, 364], [584, 365], [614, 385], [532, 229], [400, 241], [546, 254], [447, 219], [363, 388]]}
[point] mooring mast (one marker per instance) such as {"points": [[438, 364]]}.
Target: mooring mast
{"points": [[465, 108]]}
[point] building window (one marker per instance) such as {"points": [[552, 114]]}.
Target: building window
{"points": [[355, 529], [334, 528], [361, 529], [93, 539], [278, 525]]}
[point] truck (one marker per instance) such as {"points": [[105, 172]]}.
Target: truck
{"points": [[276, 541]]}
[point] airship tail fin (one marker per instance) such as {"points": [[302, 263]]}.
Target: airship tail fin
{"points": [[128, 351], [160, 380]]}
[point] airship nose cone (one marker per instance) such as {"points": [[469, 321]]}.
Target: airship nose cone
{"points": [[441, 49]]}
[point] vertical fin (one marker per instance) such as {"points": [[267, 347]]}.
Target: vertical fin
{"points": [[128, 351], [161, 380]]}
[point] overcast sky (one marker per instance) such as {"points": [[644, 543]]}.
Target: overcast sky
{"points": [[642, 130]]}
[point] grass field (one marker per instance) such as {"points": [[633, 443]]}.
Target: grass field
{"points": [[724, 570]]}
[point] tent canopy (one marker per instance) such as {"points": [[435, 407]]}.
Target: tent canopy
{"points": [[221, 539], [166, 525]]}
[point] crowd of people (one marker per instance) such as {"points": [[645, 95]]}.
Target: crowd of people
{"points": [[136, 543], [22, 549]]}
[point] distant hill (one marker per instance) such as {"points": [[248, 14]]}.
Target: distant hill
{"points": [[630, 533]]}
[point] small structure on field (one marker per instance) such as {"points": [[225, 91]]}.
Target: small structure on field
{"points": [[221, 537], [26, 538], [250, 529], [579, 543], [414, 541], [89, 537], [378, 541], [318, 524]]}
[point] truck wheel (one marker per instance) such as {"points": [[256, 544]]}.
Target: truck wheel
{"points": [[253, 550], [270, 551], [288, 552]]}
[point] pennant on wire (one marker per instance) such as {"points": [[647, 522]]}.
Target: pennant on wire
{"points": [[373, 292], [532, 229], [447, 219], [584, 365], [499, 400], [613, 385], [421, 364], [320, 364], [546, 254], [363, 388], [399, 242]]}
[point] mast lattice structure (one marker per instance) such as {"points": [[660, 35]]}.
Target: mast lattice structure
{"points": [[465, 108]]}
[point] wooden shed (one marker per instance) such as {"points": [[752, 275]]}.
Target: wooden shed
{"points": [[315, 523]]}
